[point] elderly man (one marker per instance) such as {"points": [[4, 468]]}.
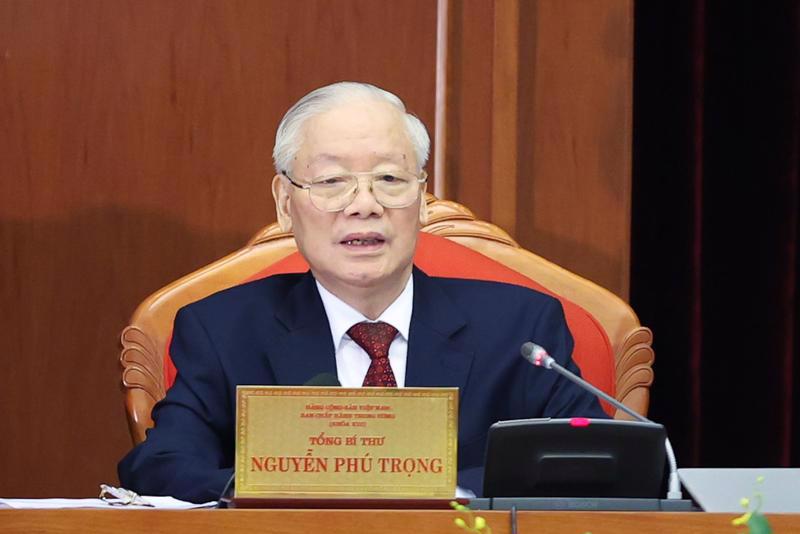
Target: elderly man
{"points": [[350, 185]]}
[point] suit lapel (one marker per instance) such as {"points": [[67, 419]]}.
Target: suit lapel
{"points": [[435, 354], [306, 349]]}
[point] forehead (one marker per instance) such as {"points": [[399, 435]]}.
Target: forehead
{"points": [[357, 133]]}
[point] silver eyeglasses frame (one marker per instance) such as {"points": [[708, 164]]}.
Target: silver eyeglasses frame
{"points": [[373, 175]]}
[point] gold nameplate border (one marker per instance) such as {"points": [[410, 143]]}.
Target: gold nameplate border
{"points": [[329, 442]]}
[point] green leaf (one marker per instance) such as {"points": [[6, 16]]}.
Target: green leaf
{"points": [[758, 524]]}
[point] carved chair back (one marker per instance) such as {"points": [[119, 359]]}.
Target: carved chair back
{"points": [[145, 340]]}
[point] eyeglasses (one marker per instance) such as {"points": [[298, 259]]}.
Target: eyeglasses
{"points": [[334, 192]]}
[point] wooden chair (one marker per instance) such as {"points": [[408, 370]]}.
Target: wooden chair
{"points": [[626, 374]]}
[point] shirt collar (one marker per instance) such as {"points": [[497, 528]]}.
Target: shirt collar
{"points": [[341, 316]]}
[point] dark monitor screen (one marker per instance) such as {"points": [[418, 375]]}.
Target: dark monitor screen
{"points": [[574, 458]]}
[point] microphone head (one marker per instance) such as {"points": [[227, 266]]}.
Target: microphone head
{"points": [[536, 355], [323, 379], [527, 350]]}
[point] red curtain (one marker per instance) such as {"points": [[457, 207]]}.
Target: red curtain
{"points": [[714, 259]]}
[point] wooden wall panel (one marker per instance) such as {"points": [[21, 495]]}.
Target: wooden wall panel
{"points": [[135, 143], [505, 113], [468, 169], [577, 138], [544, 151]]}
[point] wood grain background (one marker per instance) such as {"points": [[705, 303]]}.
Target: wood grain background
{"points": [[135, 142]]}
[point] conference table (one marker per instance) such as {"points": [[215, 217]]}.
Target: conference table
{"points": [[121, 521]]}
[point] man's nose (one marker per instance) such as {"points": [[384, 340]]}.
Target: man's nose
{"points": [[364, 203]]}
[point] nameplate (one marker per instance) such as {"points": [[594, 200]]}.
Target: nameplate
{"points": [[333, 442]]}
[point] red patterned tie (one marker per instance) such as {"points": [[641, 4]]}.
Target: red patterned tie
{"points": [[375, 338]]}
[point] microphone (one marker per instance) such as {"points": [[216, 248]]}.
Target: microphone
{"points": [[323, 379], [539, 357], [224, 500]]}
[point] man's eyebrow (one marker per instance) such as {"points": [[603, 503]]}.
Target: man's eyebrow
{"points": [[380, 157]]}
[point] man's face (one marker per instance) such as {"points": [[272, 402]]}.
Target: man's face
{"points": [[365, 245]]}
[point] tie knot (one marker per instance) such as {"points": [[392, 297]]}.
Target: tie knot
{"points": [[374, 338]]}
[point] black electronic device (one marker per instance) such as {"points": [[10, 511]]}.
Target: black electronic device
{"points": [[575, 457]]}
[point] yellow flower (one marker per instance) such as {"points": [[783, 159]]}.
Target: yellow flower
{"points": [[742, 519], [458, 507], [459, 522], [745, 502], [480, 523]]}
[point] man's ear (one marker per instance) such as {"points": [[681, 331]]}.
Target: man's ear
{"points": [[283, 204], [423, 206]]}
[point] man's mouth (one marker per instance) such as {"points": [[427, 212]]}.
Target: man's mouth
{"points": [[363, 242]]}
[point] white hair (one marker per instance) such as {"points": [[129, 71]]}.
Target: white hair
{"points": [[289, 136]]}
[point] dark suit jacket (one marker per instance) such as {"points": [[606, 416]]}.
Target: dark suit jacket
{"points": [[464, 333]]}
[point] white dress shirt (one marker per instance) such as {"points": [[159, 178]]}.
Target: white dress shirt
{"points": [[352, 362]]}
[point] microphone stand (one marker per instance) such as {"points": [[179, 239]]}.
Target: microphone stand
{"points": [[539, 357]]}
